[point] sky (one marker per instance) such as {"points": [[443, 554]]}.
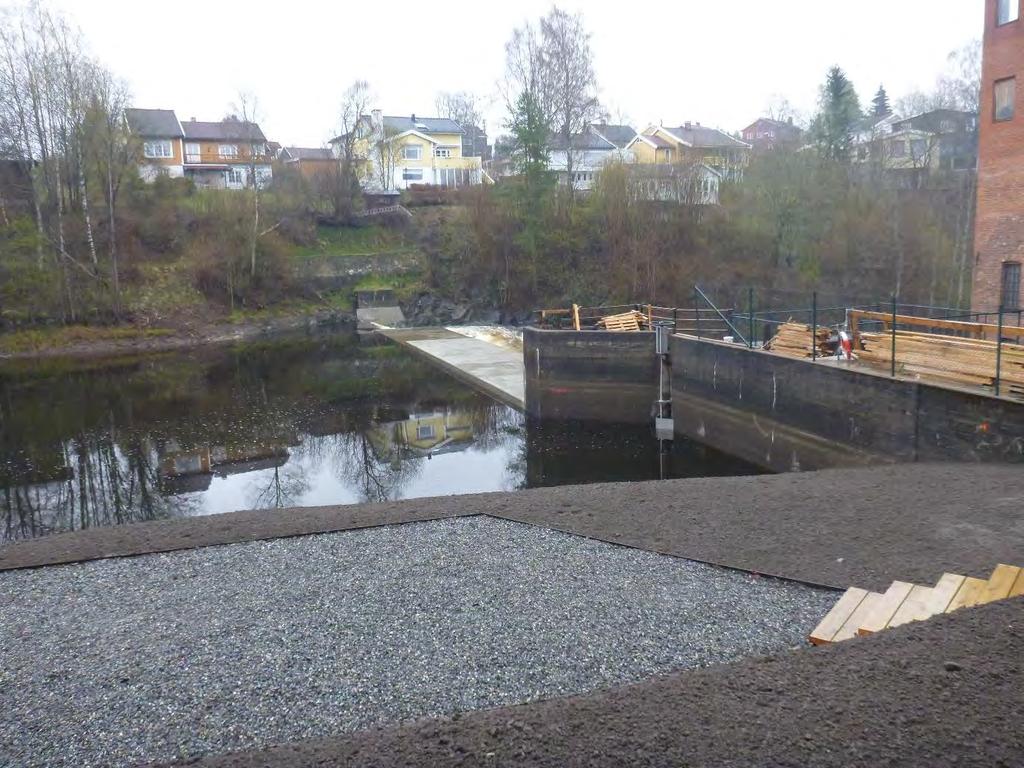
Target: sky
{"points": [[707, 61]]}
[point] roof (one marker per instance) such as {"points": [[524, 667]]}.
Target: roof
{"points": [[162, 123], [307, 153], [698, 136], [655, 141], [784, 124], [582, 141], [421, 124], [224, 130], [619, 135]]}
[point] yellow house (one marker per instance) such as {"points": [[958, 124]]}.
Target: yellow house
{"points": [[422, 434], [691, 143], [399, 152]]}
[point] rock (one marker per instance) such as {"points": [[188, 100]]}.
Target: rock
{"points": [[952, 666], [461, 313]]}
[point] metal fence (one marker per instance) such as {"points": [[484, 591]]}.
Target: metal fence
{"points": [[945, 345]]}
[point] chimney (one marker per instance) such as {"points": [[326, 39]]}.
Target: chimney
{"points": [[687, 125], [698, 123], [789, 119], [414, 117], [191, 119]]}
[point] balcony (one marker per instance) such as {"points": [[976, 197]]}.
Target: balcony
{"points": [[213, 158]]}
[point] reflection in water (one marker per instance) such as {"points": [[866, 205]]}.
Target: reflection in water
{"points": [[321, 420]]}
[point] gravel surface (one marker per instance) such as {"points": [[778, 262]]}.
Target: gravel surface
{"points": [[241, 646]]}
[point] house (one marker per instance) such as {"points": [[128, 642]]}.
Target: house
{"points": [[999, 221], [765, 134], [474, 143], [400, 152], [161, 136], [952, 136], [591, 151], [310, 162], [692, 143], [223, 154]]}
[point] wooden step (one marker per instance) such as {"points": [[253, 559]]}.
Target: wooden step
{"points": [[836, 618], [917, 607], [1018, 587], [968, 594], [859, 615], [886, 608], [1003, 579], [944, 592]]}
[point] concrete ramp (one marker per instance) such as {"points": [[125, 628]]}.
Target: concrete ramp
{"points": [[495, 370], [373, 317]]}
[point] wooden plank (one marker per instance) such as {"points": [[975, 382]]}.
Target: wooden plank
{"points": [[576, 316], [977, 329], [968, 594], [914, 608], [860, 613], [944, 592], [886, 608], [834, 620], [1000, 583]]}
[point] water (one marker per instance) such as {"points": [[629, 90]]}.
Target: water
{"points": [[293, 422]]}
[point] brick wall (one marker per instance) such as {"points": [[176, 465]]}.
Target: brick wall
{"points": [[999, 227]]}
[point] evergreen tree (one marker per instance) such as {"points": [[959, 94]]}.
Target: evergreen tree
{"points": [[838, 115], [881, 103]]}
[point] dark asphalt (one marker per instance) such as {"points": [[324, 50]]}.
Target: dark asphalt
{"points": [[836, 528]]}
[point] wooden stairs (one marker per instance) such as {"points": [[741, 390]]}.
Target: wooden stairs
{"points": [[860, 612]]}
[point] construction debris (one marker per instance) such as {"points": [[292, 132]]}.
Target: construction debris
{"points": [[794, 340], [947, 359], [859, 612]]}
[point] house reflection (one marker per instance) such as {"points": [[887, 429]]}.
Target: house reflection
{"points": [[192, 471], [423, 434]]}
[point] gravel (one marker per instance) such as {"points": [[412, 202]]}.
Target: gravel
{"points": [[199, 652]]}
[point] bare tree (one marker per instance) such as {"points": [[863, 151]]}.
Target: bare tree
{"points": [[247, 110], [570, 65], [462, 107], [352, 130], [386, 154]]}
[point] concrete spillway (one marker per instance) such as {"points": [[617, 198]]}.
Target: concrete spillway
{"points": [[496, 370]]}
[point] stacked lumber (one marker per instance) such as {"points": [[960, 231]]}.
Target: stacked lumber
{"points": [[859, 612], [794, 340], [947, 359]]}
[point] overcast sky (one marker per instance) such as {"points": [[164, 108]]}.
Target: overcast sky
{"points": [[700, 60]]}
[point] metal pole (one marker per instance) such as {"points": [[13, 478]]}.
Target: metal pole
{"points": [[675, 319], [750, 312], [894, 336], [814, 326], [696, 310], [999, 350]]}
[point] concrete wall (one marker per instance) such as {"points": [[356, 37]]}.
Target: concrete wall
{"points": [[776, 412], [590, 376], [786, 414]]}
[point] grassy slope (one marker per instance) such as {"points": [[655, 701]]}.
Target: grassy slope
{"points": [[167, 297]]}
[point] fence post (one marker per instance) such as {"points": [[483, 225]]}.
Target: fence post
{"points": [[893, 329], [696, 310], [999, 351], [750, 314], [675, 319], [814, 326]]}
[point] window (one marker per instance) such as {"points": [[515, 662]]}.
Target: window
{"points": [[1007, 11], [258, 149], [918, 149], [192, 153], [899, 149], [1009, 297], [1005, 98], [425, 432], [227, 150], [442, 151], [154, 149], [412, 152], [234, 178], [412, 174]]}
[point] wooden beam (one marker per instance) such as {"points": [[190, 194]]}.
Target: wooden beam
{"points": [[968, 594], [1000, 583], [977, 329], [886, 608]]}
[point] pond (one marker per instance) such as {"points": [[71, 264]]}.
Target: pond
{"points": [[330, 419]]}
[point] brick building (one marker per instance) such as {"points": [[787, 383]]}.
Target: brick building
{"points": [[999, 226]]}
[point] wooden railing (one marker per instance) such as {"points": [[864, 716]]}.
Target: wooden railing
{"points": [[951, 327], [702, 321]]}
